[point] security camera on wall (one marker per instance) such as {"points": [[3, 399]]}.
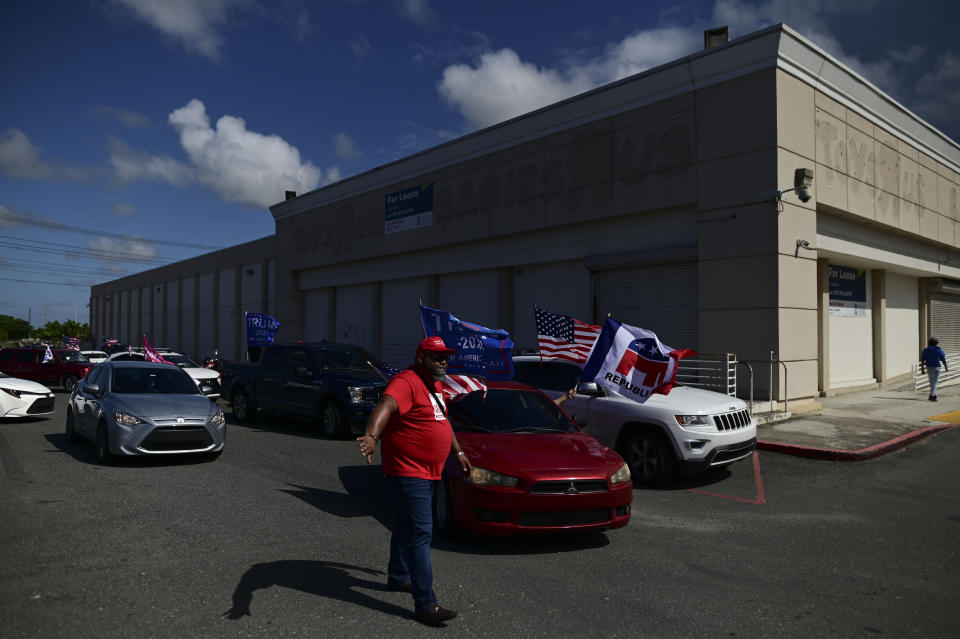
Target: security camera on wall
{"points": [[802, 181]]}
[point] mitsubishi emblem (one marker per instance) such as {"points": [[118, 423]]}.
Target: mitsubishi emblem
{"points": [[572, 490]]}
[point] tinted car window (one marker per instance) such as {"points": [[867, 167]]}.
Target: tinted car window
{"points": [[6, 356], [27, 356], [273, 362], [128, 357], [508, 411], [73, 357], [344, 357], [152, 380], [93, 375], [180, 360], [555, 376]]}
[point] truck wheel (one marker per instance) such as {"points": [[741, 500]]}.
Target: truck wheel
{"points": [[240, 404], [649, 456], [69, 381], [332, 420]]}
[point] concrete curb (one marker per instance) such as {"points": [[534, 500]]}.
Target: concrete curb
{"points": [[863, 454]]}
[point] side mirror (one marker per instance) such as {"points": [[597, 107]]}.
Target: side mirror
{"points": [[92, 389], [301, 371], [590, 389], [206, 390]]}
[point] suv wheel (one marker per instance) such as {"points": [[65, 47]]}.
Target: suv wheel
{"points": [[332, 420], [649, 456], [69, 381]]}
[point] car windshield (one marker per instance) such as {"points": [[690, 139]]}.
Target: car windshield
{"points": [[90, 354], [508, 411], [343, 357], [152, 380], [73, 357], [180, 360]]}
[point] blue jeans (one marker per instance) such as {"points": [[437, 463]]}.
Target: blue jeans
{"points": [[933, 374], [412, 533]]}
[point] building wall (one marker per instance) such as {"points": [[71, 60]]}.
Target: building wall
{"points": [[903, 324]]}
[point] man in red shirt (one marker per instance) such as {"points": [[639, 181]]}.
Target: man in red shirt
{"points": [[411, 420]]}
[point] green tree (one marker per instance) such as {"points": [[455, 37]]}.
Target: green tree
{"points": [[15, 327]]}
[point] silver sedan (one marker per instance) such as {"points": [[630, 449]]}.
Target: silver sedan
{"points": [[142, 408]]}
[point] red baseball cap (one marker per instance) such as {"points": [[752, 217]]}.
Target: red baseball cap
{"points": [[434, 345]]}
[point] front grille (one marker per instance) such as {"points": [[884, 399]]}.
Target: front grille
{"points": [[187, 421], [564, 487], [734, 453], [178, 438], [732, 421], [565, 518], [42, 405]]}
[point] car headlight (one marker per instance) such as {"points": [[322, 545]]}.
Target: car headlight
{"points": [[125, 419], [621, 475], [10, 391], [217, 419], [692, 421], [356, 394], [483, 477]]}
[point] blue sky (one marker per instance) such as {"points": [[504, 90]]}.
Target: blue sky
{"points": [[135, 133]]}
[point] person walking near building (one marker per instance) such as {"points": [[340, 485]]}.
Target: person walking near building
{"points": [[930, 359], [411, 421]]}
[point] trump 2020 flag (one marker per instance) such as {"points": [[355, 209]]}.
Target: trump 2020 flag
{"points": [[632, 361], [482, 351], [261, 329]]}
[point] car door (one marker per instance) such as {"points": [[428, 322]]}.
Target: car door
{"points": [[27, 364], [297, 391], [86, 403], [272, 369], [7, 361]]}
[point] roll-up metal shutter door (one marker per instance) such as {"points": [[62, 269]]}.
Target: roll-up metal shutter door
{"points": [[945, 320], [661, 298]]}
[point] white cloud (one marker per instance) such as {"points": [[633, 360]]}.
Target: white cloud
{"points": [[361, 46], [193, 23], [417, 11], [130, 165], [345, 147], [137, 248], [20, 158], [240, 165], [122, 209], [939, 88]]}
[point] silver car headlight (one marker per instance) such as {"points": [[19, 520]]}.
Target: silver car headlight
{"points": [[11, 391], [217, 420], [621, 475], [483, 477], [694, 421], [126, 419], [356, 394]]}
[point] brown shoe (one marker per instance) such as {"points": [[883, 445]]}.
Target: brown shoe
{"points": [[434, 615], [405, 587]]}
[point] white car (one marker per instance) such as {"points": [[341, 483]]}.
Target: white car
{"points": [[23, 398], [689, 430], [95, 357], [204, 377]]}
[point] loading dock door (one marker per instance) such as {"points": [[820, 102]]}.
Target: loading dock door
{"points": [[945, 320], [661, 298]]}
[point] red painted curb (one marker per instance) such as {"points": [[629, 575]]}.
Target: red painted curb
{"points": [[863, 454]]}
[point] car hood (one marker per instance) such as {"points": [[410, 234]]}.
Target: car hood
{"points": [[25, 385], [201, 373], [540, 454], [160, 406], [354, 376], [686, 400]]}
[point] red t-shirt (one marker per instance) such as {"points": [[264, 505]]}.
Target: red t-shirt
{"points": [[417, 438]]}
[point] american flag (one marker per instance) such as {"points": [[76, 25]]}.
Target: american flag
{"points": [[111, 342], [71, 342], [564, 337], [452, 386]]}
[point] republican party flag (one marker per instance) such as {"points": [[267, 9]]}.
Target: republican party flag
{"points": [[482, 351], [632, 361], [564, 337], [151, 355]]}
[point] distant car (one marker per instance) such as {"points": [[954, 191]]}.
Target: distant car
{"points": [[142, 408], [95, 357], [534, 470], [23, 398], [63, 369], [207, 380]]}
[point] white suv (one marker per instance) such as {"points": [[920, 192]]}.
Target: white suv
{"points": [[688, 430]]}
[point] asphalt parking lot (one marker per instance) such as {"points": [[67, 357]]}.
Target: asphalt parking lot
{"points": [[286, 534]]}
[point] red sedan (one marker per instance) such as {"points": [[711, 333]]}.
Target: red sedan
{"points": [[534, 470]]}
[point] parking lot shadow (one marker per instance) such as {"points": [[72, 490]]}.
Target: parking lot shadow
{"points": [[83, 451], [321, 578], [364, 496], [279, 423]]}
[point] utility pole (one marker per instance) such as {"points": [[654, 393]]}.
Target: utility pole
{"points": [[46, 312]]}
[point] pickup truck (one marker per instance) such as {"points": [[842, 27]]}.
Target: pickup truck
{"points": [[686, 432], [330, 383]]}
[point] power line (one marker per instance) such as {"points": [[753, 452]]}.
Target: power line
{"points": [[21, 219], [75, 251], [9, 279]]}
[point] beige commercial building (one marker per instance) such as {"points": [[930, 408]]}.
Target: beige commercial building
{"points": [[653, 199]]}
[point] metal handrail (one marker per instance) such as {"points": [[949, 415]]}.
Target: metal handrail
{"points": [[750, 370], [771, 361], [920, 380]]}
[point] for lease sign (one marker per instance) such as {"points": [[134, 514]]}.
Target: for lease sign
{"points": [[409, 209]]}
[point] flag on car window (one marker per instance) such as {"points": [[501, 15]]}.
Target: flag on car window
{"points": [[480, 350], [564, 337], [47, 356], [152, 355], [632, 361]]}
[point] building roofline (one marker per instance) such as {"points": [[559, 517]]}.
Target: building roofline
{"points": [[778, 46]]}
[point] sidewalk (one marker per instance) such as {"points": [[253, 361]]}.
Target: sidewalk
{"points": [[862, 425]]}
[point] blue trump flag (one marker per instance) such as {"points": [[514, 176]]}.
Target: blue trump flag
{"points": [[260, 329], [481, 351]]}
